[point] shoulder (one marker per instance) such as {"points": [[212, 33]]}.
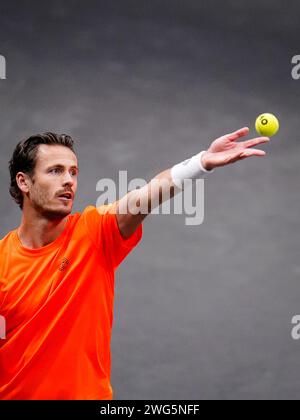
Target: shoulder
{"points": [[6, 240], [101, 210], [91, 217], [92, 214]]}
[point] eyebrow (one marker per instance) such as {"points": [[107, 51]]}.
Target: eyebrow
{"points": [[62, 167]]}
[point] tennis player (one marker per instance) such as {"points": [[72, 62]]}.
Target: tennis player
{"points": [[57, 268]]}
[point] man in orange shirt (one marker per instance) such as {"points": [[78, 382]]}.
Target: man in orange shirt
{"points": [[57, 268]]}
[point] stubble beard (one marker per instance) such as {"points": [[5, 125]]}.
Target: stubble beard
{"points": [[41, 205]]}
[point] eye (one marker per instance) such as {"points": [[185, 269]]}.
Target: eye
{"points": [[55, 171]]}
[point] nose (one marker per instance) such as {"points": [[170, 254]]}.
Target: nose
{"points": [[68, 180]]}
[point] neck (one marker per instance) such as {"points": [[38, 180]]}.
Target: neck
{"points": [[37, 231]]}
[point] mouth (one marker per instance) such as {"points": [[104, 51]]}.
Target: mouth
{"points": [[66, 197]]}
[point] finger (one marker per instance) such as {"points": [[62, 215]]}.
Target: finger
{"points": [[256, 141], [252, 152], [238, 134]]}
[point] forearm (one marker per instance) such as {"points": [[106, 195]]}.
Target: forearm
{"points": [[161, 188], [137, 204], [164, 186], [140, 202], [134, 207]]}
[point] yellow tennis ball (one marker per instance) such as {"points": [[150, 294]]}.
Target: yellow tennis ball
{"points": [[267, 125]]}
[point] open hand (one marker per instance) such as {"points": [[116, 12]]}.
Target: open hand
{"points": [[226, 149]]}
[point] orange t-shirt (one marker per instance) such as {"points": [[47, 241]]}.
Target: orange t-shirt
{"points": [[58, 305]]}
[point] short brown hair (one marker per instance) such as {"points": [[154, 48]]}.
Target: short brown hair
{"points": [[24, 158]]}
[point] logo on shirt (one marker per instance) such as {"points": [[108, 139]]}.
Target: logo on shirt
{"points": [[64, 264]]}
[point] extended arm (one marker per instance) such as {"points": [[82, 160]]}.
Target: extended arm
{"points": [[134, 207]]}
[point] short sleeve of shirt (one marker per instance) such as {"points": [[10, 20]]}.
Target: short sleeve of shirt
{"points": [[103, 230]]}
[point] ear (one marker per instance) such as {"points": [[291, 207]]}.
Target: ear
{"points": [[23, 182]]}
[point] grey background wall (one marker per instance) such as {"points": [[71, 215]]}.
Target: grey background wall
{"points": [[200, 312]]}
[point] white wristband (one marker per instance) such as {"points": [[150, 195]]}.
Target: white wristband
{"points": [[189, 169]]}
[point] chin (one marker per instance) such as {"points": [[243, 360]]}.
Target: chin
{"points": [[57, 213]]}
